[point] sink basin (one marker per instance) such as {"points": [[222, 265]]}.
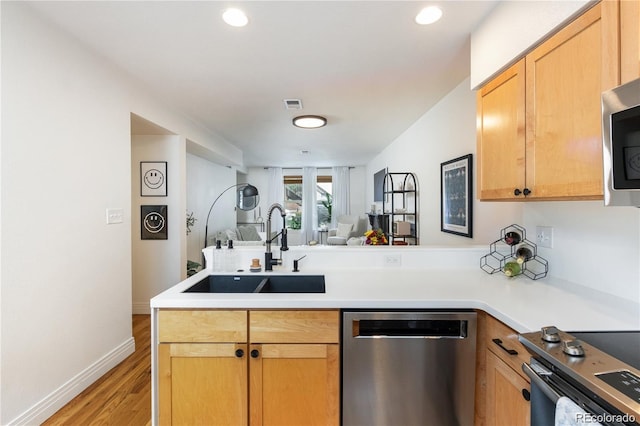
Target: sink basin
{"points": [[259, 284]]}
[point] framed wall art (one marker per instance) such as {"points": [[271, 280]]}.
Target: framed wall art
{"points": [[153, 178], [378, 184], [456, 216], [153, 222]]}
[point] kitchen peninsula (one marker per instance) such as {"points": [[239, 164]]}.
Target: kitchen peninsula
{"points": [[391, 278]]}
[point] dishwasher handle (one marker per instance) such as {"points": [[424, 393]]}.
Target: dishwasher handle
{"points": [[409, 328]]}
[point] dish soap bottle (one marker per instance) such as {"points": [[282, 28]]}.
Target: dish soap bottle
{"points": [[230, 258], [217, 257]]}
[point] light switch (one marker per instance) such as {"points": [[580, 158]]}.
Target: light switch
{"points": [[115, 216]]}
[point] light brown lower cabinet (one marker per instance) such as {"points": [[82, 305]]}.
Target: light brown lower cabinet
{"points": [[202, 384], [502, 389], [286, 372], [505, 398], [294, 384]]}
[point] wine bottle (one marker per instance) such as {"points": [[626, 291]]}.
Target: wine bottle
{"points": [[512, 238], [523, 254], [511, 269]]}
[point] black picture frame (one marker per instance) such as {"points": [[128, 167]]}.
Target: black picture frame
{"points": [[153, 222], [378, 184], [153, 178], [456, 196]]}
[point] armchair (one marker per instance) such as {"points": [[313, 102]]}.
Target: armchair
{"points": [[348, 227]]}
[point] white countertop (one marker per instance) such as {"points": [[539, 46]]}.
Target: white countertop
{"points": [[523, 304]]}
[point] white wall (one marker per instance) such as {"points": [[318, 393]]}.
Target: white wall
{"points": [[66, 157], [158, 264], [594, 246], [511, 29], [445, 132], [205, 182]]}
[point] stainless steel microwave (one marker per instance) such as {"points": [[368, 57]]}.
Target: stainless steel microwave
{"points": [[621, 144]]}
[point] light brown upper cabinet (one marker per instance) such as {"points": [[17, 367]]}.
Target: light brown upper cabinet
{"points": [[539, 122], [501, 135], [629, 13]]}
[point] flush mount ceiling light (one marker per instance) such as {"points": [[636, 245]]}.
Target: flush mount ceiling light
{"points": [[235, 17], [429, 15], [309, 121]]}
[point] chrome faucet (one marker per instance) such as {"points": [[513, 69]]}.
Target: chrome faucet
{"points": [[269, 261]]}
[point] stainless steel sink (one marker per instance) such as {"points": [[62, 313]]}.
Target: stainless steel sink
{"points": [[259, 284]]}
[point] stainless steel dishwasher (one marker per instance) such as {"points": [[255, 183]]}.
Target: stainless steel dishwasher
{"points": [[402, 368]]}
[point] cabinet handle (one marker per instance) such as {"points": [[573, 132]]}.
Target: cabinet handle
{"points": [[255, 353], [526, 192], [526, 395], [509, 351], [239, 353], [517, 192]]}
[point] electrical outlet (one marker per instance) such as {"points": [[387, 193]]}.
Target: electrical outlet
{"points": [[544, 236], [115, 216], [392, 260]]}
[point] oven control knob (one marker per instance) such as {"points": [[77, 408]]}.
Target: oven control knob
{"points": [[573, 348], [550, 334]]}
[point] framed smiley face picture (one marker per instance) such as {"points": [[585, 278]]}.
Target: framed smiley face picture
{"points": [[153, 222], [153, 178]]}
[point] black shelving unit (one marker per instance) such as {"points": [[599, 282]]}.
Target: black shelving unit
{"points": [[400, 202]]}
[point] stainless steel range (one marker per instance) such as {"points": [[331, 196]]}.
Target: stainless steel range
{"points": [[599, 373]]}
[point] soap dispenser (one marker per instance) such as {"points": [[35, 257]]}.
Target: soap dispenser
{"points": [[230, 258], [217, 257]]}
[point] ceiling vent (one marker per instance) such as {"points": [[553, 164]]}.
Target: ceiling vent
{"points": [[293, 104]]}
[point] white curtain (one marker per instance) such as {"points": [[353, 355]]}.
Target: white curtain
{"points": [[275, 190], [309, 203], [275, 193], [341, 194]]}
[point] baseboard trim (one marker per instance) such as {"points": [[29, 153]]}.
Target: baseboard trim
{"points": [[141, 308], [49, 405]]}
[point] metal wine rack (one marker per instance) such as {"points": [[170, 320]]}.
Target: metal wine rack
{"points": [[501, 253]]}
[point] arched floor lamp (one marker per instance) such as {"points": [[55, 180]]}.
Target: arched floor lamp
{"points": [[247, 199]]}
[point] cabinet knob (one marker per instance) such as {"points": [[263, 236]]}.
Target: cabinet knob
{"points": [[526, 192], [526, 395], [255, 353], [517, 192], [239, 353]]}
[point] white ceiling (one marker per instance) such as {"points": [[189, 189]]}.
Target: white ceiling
{"points": [[365, 65]]}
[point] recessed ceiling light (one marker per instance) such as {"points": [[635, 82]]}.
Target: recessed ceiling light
{"points": [[429, 15], [235, 17], [309, 121]]}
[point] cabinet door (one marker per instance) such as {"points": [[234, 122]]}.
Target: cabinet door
{"points": [[202, 384], [565, 78], [629, 40], [505, 403], [501, 135], [294, 384]]}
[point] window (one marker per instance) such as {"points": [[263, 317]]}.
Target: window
{"points": [[293, 200]]}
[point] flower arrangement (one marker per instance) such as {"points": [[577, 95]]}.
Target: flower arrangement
{"points": [[375, 237]]}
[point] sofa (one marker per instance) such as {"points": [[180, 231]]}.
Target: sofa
{"points": [[350, 231], [244, 235]]}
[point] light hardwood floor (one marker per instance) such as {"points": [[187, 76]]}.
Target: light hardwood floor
{"points": [[120, 397]]}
